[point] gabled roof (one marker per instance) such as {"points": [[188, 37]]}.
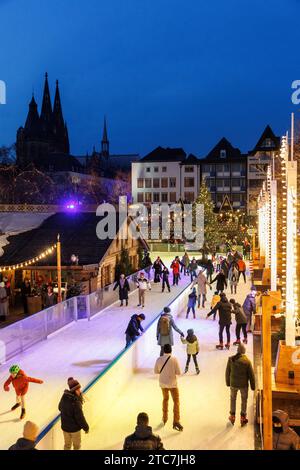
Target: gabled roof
{"points": [[161, 154], [191, 160], [77, 234], [267, 134], [223, 144]]}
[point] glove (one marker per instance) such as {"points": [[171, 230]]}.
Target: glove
{"points": [[6, 388], [41, 381], [182, 335], [86, 432]]}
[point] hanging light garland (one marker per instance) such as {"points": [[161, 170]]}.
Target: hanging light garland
{"points": [[29, 262]]}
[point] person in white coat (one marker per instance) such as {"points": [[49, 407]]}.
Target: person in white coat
{"points": [[168, 368], [201, 282]]}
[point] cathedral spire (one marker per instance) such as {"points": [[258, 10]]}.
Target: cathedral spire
{"points": [[57, 110], [105, 141], [32, 120], [46, 112]]}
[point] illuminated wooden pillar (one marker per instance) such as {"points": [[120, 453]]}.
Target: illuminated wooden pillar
{"points": [[267, 381]]}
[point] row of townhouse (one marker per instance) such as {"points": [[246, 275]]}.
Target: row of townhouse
{"points": [[169, 175]]}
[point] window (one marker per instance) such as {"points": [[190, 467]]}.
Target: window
{"points": [[156, 169], [164, 182], [189, 197], [140, 197], [155, 182], [140, 182], [164, 197], [235, 182], [148, 197], [268, 143], [172, 197], [189, 169], [156, 197], [210, 183], [148, 182], [222, 153], [164, 169], [189, 182], [173, 182], [223, 183], [148, 169]]}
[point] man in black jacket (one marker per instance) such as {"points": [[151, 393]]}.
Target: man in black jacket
{"points": [[133, 329], [224, 307], [143, 438], [72, 417]]}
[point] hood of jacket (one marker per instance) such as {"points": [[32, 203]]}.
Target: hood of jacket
{"points": [[143, 432], [23, 444], [71, 396], [283, 418]]}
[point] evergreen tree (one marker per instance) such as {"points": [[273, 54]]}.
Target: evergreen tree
{"points": [[211, 234], [123, 265]]}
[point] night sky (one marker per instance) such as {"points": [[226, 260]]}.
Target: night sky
{"points": [[165, 72]]}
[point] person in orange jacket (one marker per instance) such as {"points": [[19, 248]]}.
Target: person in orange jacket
{"points": [[242, 269], [20, 382]]}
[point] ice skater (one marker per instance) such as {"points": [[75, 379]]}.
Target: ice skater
{"points": [[215, 299], [142, 284], [192, 350], [165, 279], [134, 328], [124, 288], [224, 309], [192, 303], [20, 381], [241, 322], [164, 332]]}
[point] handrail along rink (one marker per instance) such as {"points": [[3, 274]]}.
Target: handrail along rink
{"points": [[108, 385]]}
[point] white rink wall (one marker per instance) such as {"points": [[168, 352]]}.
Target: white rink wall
{"points": [[102, 393]]}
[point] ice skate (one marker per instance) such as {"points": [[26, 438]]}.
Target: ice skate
{"points": [[245, 341], [232, 419], [219, 346], [15, 406], [237, 342], [186, 370], [23, 413], [177, 426], [197, 371], [244, 420], [227, 345]]}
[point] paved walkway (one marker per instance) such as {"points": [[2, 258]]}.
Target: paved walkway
{"points": [[80, 350]]}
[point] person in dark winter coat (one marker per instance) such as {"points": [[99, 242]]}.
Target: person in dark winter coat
{"points": [[124, 288], [239, 373], [147, 264], [165, 279], [224, 309], [241, 322], [72, 417], [225, 267], [249, 307], [284, 437], [27, 442], [193, 268], [192, 303], [134, 327], [164, 331], [143, 437], [209, 269], [158, 267], [221, 281]]}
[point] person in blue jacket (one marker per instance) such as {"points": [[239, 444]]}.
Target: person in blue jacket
{"points": [[133, 329], [249, 307], [192, 303]]}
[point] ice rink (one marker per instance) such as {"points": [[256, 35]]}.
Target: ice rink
{"points": [[80, 350]]}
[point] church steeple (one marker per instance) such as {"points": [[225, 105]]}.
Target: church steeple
{"points": [[105, 141], [57, 110], [66, 140], [32, 127], [46, 112]]}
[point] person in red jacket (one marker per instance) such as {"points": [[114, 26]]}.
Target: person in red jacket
{"points": [[175, 266], [20, 382], [242, 269]]}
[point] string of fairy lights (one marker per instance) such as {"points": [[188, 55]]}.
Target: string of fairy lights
{"points": [[29, 262]]}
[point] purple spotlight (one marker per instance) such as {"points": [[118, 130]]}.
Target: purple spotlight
{"points": [[71, 206]]}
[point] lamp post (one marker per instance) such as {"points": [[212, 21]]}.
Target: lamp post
{"points": [[58, 251]]}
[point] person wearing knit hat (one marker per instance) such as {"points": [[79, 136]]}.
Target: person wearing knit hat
{"points": [[239, 373], [72, 417], [30, 434], [192, 349]]}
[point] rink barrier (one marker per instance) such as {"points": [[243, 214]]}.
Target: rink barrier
{"points": [[21, 335], [109, 384]]}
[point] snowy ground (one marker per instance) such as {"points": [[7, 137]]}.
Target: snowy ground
{"points": [[204, 398], [81, 350]]}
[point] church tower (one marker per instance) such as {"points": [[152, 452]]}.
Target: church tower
{"points": [[105, 142]]}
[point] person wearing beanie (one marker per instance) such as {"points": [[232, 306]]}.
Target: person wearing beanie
{"points": [[192, 349], [134, 328], [20, 381], [241, 322], [239, 373], [143, 437], [164, 331], [72, 417], [30, 434]]}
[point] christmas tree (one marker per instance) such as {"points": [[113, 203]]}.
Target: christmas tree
{"points": [[123, 265], [210, 219]]}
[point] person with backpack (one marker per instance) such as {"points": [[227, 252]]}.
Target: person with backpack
{"points": [[124, 288], [224, 309], [175, 266], [239, 373], [165, 327], [165, 279], [133, 329], [192, 350], [143, 437], [185, 261], [192, 299], [142, 284], [233, 278], [241, 322], [168, 368]]}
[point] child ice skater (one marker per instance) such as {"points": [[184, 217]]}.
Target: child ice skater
{"points": [[192, 349], [216, 298], [192, 303], [20, 382]]}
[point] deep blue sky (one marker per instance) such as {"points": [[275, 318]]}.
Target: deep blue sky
{"points": [[165, 72]]}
